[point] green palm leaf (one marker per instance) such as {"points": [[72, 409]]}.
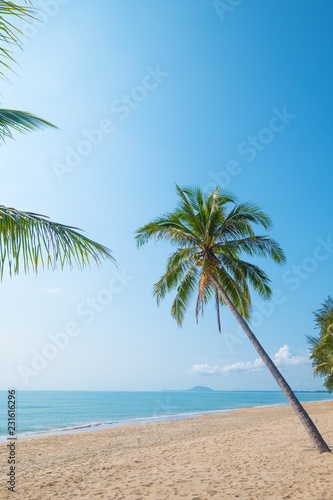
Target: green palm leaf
{"points": [[185, 291], [32, 241], [20, 121], [10, 35]]}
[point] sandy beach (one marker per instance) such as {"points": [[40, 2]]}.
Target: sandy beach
{"points": [[261, 453]]}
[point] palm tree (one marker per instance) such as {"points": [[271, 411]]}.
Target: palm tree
{"points": [[209, 241], [322, 356], [322, 346]]}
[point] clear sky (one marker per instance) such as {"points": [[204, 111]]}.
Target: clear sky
{"points": [[148, 94]]}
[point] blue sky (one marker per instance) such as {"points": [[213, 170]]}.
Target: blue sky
{"points": [[148, 94]]}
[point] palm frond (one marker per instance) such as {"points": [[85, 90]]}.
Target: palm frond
{"points": [[184, 293], [188, 212], [256, 245], [239, 221], [244, 272], [167, 227], [216, 209], [10, 34], [177, 266], [217, 304], [202, 289], [20, 121], [236, 291], [33, 242]]}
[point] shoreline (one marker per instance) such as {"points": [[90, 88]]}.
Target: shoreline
{"points": [[100, 426], [248, 453], [123, 424]]}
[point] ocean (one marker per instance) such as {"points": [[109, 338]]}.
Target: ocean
{"points": [[49, 412]]}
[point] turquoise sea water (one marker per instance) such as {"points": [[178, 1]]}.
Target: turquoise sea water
{"points": [[52, 411]]}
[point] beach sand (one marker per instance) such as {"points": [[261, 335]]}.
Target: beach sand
{"points": [[260, 453]]}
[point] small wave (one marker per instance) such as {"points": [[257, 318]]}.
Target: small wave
{"points": [[114, 423]]}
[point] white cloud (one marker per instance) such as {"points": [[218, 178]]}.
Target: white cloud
{"points": [[244, 367], [205, 370], [282, 358], [224, 370]]}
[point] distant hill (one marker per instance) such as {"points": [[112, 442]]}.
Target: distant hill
{"points": [[200, 388]]}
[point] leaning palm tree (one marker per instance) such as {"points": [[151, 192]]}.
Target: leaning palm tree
{"points": [[209, 240]]}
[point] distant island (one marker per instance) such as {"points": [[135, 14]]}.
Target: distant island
{"points": [[200, 388], [197, 388]]}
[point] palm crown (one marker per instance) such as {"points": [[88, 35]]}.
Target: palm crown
{"points": [[210, 238]]}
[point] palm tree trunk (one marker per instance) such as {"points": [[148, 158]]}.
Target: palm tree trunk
{"points": [[300, 411]]}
